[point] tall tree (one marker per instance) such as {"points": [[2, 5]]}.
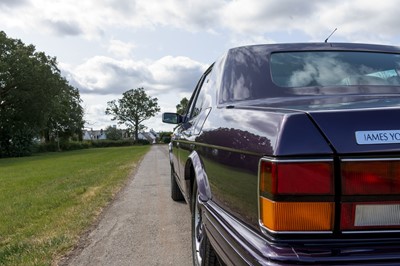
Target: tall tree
{"points": [[66, 119], [113, 133], [182, 106], [33, 97], [133, 108]]}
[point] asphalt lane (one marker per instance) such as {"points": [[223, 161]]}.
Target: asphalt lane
{"points": [[143, 226]]}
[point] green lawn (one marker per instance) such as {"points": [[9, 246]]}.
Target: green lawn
{"points": [[47, 201]]}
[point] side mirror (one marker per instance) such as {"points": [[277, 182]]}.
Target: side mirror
{"points": [[172, 118]]}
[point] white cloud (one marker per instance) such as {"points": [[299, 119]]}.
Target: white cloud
{"points": [[176, 73], [269, 17], [121, 49], [12, 3], [248, 39], [362, 21], [94, 107], [355, 20], [92, 18], [105, 75]]}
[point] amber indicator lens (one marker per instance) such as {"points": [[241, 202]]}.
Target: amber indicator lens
{"points": [[297, 216], [370, 178], [296, 178]]}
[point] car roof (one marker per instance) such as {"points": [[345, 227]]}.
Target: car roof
{"points": [[282, 47]]}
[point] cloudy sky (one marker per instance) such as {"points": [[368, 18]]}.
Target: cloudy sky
{"points": [[106, 47]]}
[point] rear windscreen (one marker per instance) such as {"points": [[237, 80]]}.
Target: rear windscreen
{"points": [[334, 68]]}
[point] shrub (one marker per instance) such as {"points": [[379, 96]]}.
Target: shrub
{"points": [[112, 143], [166, 140], [46, 147], [17, 145], [74, 145], [64, 146], [143, 142], [78, 145], [118, 143]]}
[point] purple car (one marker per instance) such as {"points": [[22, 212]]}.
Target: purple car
{"points": [[290, 154]]}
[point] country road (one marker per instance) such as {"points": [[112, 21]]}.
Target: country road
{"points": [[143, 226]]}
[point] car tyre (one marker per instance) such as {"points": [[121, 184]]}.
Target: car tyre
{"points": [[202, 252], [176, 193]]}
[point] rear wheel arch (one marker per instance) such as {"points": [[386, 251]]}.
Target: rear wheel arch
{"points": [[190, 177], [195, 172]]}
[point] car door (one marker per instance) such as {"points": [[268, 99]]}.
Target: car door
{"points": [[199, 108]]}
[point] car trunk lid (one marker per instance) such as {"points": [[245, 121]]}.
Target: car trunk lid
{"points": [[360, 131]]}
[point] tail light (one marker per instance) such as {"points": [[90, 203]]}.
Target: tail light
{"points": [[299, 195], [296, 195], [371, 190], [370, 177]]}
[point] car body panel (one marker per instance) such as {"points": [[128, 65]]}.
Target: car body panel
{"points": [[263, 130]]}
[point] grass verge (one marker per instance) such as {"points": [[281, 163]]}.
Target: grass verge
{"points": [[47, 201]]}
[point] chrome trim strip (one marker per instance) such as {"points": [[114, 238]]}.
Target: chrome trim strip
{"points": [[271, 159], [266, 230], [199, 144], [369, 159], [371, 232]]}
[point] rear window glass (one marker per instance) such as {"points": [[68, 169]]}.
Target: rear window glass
{"points": [[334, 68]]}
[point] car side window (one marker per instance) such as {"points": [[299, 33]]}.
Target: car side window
{"points": [[200, 99], [192, 101], [200, 105]]}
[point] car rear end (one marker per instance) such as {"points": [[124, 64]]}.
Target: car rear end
{"points": [[340, 207]]}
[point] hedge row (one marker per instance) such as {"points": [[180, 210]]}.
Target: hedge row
{"points": [[75, 145], [117, 143]]}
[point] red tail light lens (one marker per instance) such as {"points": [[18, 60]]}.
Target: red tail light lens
{"points": [[297, 178], [370, 178]]}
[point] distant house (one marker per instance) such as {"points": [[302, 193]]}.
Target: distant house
{"points": [[147, 136], [93, 134], [151, 136]]}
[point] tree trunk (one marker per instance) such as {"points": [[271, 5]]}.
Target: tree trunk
{"points": [[136, 131]]}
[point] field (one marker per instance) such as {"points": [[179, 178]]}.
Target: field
{"points": [[47, 201]]}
